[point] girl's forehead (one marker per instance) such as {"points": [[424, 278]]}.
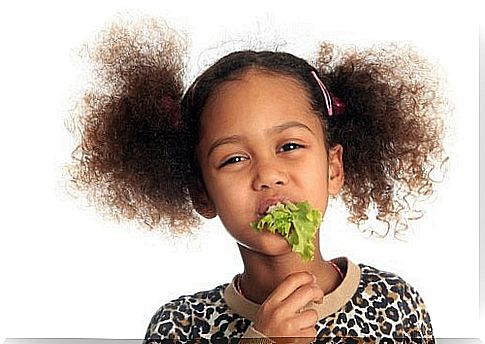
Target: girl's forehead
{"points": [[256, 80], [256, 99], [257, 95]]}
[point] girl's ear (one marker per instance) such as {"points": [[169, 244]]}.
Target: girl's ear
{"points": [[335, 170], [201, 200]]}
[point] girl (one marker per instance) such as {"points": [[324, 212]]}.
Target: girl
{"points": [[253, 130]]}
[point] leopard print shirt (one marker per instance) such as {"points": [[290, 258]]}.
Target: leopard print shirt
{"points": [[383, 308]]}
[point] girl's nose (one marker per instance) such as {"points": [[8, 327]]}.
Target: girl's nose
{"points": [[269, 176]]}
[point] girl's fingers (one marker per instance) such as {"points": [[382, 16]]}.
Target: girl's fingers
{"points": [[289, 285], [283, 313], [306, 320], [301, 297]]}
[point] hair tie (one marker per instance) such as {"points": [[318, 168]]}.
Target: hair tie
{"points": [[332, 103]]}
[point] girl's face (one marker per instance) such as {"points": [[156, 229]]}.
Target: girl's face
{"points": [[262, 144]]}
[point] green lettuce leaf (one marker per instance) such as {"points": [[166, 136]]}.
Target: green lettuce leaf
{"points": [[297, 223]]}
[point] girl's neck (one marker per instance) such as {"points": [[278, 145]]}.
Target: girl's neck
{"points": [[262, 273]]}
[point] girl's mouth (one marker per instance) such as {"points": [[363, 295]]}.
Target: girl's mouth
{"points": [[266, 204]]}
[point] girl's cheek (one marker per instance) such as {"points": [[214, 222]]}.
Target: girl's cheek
{"points": [[229, 191]]}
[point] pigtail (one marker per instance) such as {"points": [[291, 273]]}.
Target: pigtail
{"points": [[131, 161], [391, 129]]}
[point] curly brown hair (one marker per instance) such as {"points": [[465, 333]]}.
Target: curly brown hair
{"points": [[138, 129], [393, 131]]}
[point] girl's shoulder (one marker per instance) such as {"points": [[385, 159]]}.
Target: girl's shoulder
{"points": [[370, 282], [202, 314], [390, 292], [382, 305], [193, 303], [373, 279]]}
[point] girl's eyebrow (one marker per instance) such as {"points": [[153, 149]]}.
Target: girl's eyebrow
{"points": [[271, 131], [282, 127]]}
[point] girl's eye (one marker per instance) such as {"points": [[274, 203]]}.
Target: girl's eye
{"points": [[233, 160], [290, 146]]}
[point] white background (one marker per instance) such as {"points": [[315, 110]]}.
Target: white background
{"points": [[65, 272]]}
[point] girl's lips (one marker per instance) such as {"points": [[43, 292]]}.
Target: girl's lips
{"points": [[267, 203]]}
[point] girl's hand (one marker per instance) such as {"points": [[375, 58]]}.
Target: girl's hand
{"points": [[281, 315]]}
